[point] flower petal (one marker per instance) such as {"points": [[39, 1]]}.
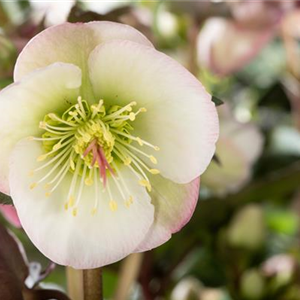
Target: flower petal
{"points": [[84, 241], [24, 104], [10, 215], [180, 117], [71, 43], [174, 206]]}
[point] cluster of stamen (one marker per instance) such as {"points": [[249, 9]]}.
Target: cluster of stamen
{"points": [[92, 143]]}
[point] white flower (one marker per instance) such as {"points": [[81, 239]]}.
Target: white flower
{"points": [[103, 139]]}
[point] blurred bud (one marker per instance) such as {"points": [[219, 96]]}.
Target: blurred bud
{"points": [[10, 214], [213, 294], [200, 9], [167, 24], [252, 284], [281, 267], [187, 289], [257, 14], [8, 55], [291, 35], [104, 7], [238, 147], [53, 12], [247, 228]]}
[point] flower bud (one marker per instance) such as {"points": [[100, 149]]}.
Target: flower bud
{"points": [[247, 228], [187, 289], [252, 284]]}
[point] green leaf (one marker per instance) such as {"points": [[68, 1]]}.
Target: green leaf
{"points": [[5, 199], [217, 101]]}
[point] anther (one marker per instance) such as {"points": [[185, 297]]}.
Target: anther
{"points": [[89, 181], [74, 212], [33, 185], [139, 141], [154, 171], [153, 159], [42, 157], [127, 161], [132, 116], [146, 184], [113, 205]]}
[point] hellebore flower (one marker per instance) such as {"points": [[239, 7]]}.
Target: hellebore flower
{"points": [[103, 139]]}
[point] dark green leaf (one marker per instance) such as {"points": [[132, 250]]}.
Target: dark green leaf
{"points": [[5, 199], [217, 101]]}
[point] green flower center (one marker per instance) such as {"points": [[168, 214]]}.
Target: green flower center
{"points": [[92, 142]]}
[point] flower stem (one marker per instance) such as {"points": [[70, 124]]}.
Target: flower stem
{"points": [[85, 284], [130, 270], [92, 284]]}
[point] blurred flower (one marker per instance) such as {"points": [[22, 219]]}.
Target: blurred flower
{"points": [[281, 266], [227, 45], [53, 12], [252, 284], [187, 289], [238, 148], [213, 294], [291, 36], [81, 163], [10, 214], [200, 10], [247, 229], [104, 7]]}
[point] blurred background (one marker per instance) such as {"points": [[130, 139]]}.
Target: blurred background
{"points": [[243, 241]]}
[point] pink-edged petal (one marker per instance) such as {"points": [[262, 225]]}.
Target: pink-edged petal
{"points": [[24, 104], [225, 47], [86, 240], [72, 43], [174, 206], [181, 119], [10, 214]]}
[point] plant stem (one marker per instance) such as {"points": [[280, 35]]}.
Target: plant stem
{"points": [[85, 284], [128, 275], [75, 283], [92, 284]]}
